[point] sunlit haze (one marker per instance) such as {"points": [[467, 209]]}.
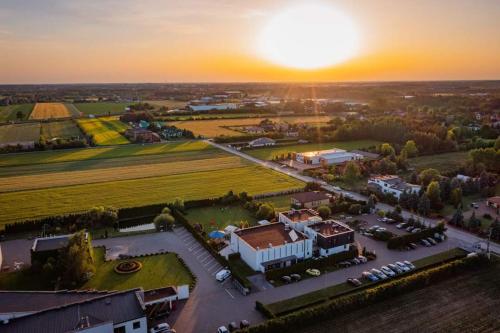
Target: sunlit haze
{"points": [[221, 40]]}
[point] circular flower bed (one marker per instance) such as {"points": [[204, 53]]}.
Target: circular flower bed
{"points": [[129, 266]]}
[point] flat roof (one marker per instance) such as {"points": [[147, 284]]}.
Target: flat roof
{"points": [[154, 294], [330, 228], [274, 234], [300, 215], [322, 152]]}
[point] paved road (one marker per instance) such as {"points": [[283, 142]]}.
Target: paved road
{"points": [[461, 236]]}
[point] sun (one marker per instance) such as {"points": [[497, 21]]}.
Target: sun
{"points": [[308, 36]]}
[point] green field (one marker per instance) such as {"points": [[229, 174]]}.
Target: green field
{"points": [[66, 129], [157, 271], [105, 131], [17, 206], [219, 217], [101, 108], [91, 154], [10, 112], [73, 110], [19, 132], [280, 203], [441, 162], [269, 153]]}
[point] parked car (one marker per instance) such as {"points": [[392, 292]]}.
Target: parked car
{"points": [[296, 277], [370, 276], [162, 328], [355, 261], [413, 245], [410, 228], [345, 264], [363, 259], [379, 274], [431, 240], [373, 228], [313, 272], [286, 279], [244, 324], [425, 242], [232, 326], [409, 264], [414, 231], [404, 267], [381, 229], [400, 225], [222, 329], [222, 275], [474, 205], [395, 268], [354, 282], [387, 271]]}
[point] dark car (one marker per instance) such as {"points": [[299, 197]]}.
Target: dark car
{"points": [[286, 279], [296, 277], [232, 326], [413, 245], [354, 282]]}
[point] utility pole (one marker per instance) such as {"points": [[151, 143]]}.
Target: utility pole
{"points": [[488, 244]]}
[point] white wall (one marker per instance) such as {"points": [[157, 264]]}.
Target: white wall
{"points": [[333, 250], [129, 326]]}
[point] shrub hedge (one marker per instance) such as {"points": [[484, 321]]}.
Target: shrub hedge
{"points": [[322, 263], [366, 297], [404, 240]]}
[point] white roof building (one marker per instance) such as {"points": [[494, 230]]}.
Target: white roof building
{"points": [[330, 156]]}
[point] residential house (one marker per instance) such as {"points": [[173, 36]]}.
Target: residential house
{"points": [[309, 199], [142, 135], [270, 246], [493, 202], [46, 247], [391, 184]]}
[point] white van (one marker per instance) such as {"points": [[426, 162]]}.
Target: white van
{"points": [[222, 275]]}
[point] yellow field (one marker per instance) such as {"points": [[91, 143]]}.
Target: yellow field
{"points": [[50, 110], [105, 130], [216, 127], [58, 179]]}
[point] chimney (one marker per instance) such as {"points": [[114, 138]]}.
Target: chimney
{"points": [[270, 245]]}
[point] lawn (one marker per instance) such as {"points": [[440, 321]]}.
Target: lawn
{"points": [[280, 203], [105, 131], [157, 271], [10, 112], [65, 129], [23, 280], [49, 111], [212, 128], [19, 132], [75, 155], [270, 153], [322, 295], [18, 206], [441, 162], [101, 108], [219, 217]]}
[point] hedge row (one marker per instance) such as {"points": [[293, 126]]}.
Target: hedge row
{"points": [[322, 263], [404, 240], [351, 302]]}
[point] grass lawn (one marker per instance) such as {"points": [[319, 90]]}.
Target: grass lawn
{"points": [[10, 112], [281, 202], [322, 295], [157, 271], [23, 280], [18, 206], [105, 131], [466, 200], [441, 162], [218, 217], [101, 108], [76, 155], [270, 153], [356, 186]]}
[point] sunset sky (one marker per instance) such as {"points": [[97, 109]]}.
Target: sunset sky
{"points": [[62, 41]]}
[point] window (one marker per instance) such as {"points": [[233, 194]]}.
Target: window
{"points": [[136, 325], [120, 329]]}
